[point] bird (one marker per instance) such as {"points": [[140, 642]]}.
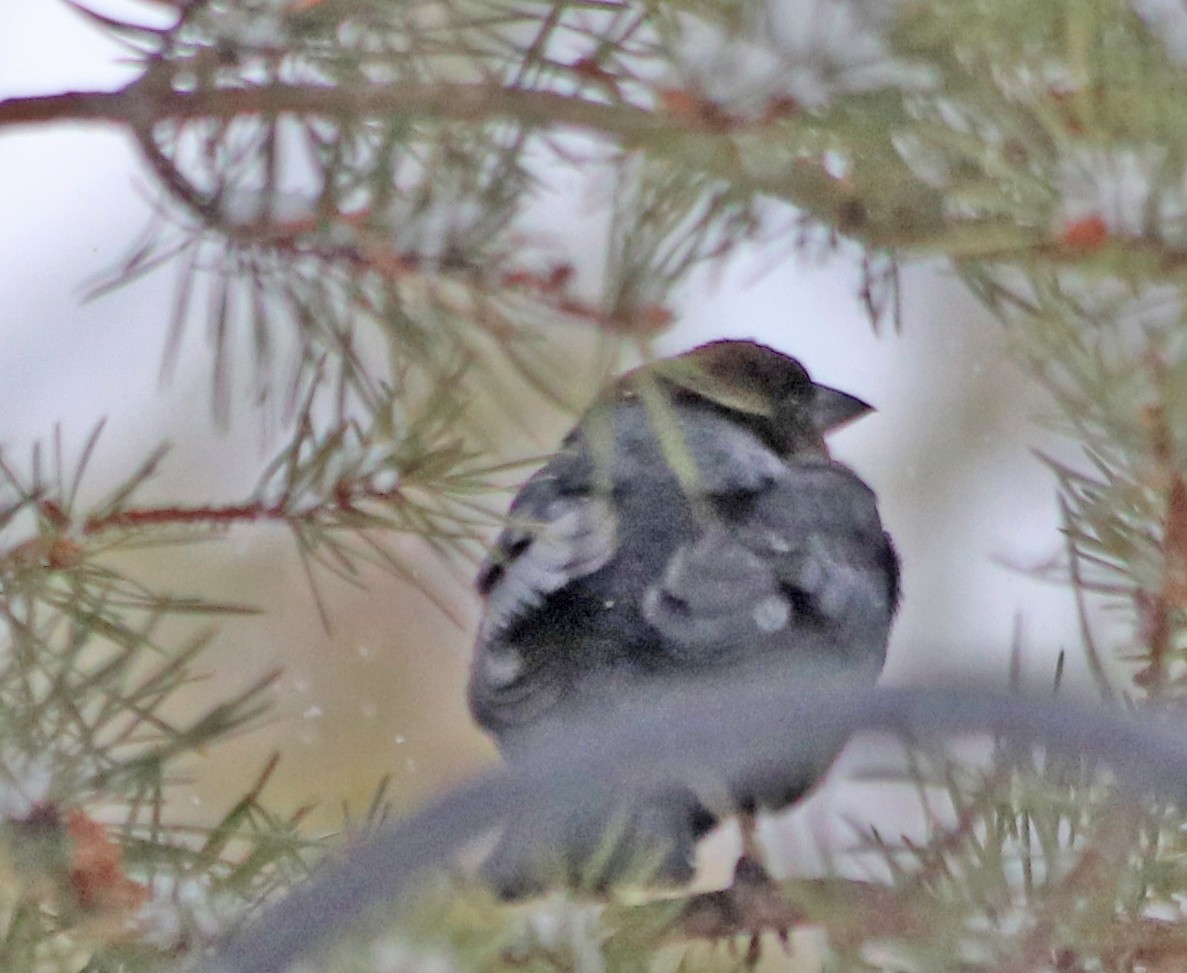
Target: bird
{"points": [[691, 526]]}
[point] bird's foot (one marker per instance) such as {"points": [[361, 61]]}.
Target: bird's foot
{"points": [[763, 908], [751, 906]]}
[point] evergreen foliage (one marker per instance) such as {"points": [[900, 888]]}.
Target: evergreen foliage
{"points": [[342, 188]]}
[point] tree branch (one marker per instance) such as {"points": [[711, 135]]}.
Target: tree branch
{"points": [[896, 212], [764, 723], [907, 214]]}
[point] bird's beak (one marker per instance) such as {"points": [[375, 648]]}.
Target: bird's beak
{"points": [[832, 409]]}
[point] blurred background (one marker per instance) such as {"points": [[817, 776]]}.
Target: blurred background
{"points": [[949, 453]]}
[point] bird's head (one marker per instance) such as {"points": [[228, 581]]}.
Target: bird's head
{"points": [[770, 391]]}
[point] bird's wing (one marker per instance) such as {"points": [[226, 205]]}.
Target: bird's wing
{"points": [[560, 530], [801, 563], [564, 527]]}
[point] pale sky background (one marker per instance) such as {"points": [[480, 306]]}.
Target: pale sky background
{"points": [[948, 451]]}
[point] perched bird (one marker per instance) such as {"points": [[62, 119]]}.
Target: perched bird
{"points": [[691, 525]]}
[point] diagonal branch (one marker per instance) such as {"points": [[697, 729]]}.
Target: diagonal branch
{"points": [[749, 725], [910, 214]]}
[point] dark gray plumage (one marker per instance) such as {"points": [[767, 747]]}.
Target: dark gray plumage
{"points": [[691, 523]]}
